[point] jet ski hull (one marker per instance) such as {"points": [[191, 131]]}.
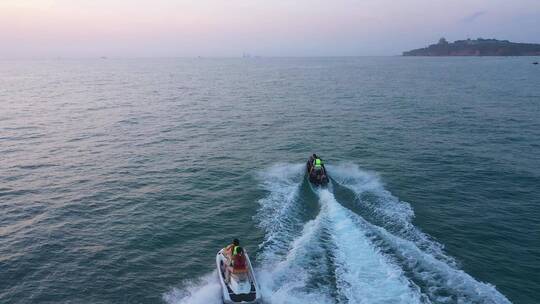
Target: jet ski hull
{"points": [[236, 290]]}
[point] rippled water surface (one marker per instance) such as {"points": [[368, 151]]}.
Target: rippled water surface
{"points": [[120, 179]]}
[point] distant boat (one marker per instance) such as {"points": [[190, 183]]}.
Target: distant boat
{"points": [[536, 62]]}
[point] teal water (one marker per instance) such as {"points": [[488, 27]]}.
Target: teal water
{"points": [[121, 179]]}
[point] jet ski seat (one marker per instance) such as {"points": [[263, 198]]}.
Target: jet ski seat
{"points": [[240, 276]]}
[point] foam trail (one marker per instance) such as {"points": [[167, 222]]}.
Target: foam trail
{"points": [[288, 281], [279, 212], [422, 258], [394, 215], [291, 250], [442, 282], [363, 274], [296, 266], [207, 290]]}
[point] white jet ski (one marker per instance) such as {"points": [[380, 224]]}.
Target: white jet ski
{"points": [[242, 287]]}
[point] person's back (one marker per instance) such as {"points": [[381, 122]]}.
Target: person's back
{"points": [[239, 260], [317, 164]]}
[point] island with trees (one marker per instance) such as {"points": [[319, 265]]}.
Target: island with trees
{"points": [[477, 47]]}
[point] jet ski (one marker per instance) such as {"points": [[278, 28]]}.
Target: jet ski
{"points": [[242, 286], [316, 177]]}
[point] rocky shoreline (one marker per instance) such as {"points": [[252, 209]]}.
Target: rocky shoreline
{"points": [[477, 47]]}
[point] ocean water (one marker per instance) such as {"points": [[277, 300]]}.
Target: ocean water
{"points": [[121, 179]]}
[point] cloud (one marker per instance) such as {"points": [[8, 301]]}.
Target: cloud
{"points": [[472, 17]]}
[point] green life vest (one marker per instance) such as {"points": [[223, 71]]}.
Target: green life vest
{"points": [[235, 250], [317, 163]]}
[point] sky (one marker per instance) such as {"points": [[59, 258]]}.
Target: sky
{"points": [[225, 28]]}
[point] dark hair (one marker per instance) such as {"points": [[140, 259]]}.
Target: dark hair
{"points": [[236, 242], [314, 155]]}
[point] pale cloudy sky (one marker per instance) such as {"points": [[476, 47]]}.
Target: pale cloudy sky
{"points": [[158, 28]]}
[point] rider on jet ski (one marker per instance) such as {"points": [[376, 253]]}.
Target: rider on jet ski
{"points": [[316, 163], [229, 249], [236, 263]]}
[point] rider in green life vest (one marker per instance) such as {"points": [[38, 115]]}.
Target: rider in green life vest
{"points": [[317, 164], [229, 250]]}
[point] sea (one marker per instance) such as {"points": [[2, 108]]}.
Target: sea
{"points": [[120, 179]]}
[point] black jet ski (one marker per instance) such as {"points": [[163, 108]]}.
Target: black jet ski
{"points": [[316, 177], [242, 287]]}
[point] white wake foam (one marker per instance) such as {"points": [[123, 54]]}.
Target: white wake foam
{"points": [[443, 283], [291, 248], [206, 290], [423, 258], [287, 281], [394, 215], [330, 246], [279, 212], [363, 274]]}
